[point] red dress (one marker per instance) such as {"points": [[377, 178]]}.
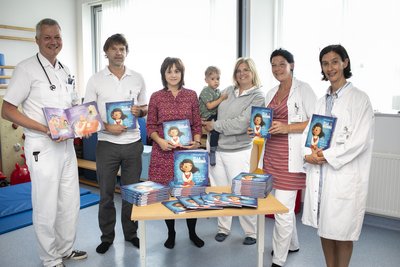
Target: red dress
{"points": [[276, 157], [163, 106]]}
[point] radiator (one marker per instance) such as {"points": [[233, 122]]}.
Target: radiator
{"points": [[384, 185]]}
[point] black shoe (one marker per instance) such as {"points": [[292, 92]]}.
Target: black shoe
{"points": [[196, 240], [103, 247], [220, 237], [290, 251], [249, 241], [212, 158], [170, 242], [275, 265], [135, 242]]}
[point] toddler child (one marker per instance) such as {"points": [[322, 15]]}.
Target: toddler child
{"points": [[209, 99]]}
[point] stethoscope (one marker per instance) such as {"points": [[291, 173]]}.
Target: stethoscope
{"points": [[52, 86]]}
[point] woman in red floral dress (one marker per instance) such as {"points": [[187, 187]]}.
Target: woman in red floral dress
{"points": [[173, 102]]}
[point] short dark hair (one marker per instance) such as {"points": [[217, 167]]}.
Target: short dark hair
{"points": [[341, 51], [283, 53], [167, 64], [117, 38]]}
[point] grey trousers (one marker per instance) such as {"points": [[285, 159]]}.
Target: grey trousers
{"points": [[109, 158]]}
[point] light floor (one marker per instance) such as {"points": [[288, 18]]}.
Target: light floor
{"points": [[378, 246]]}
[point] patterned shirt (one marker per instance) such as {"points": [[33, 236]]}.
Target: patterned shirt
{"points": [[163, 106], [208, 95]]}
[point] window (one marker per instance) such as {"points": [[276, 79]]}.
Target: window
{"points": [[368, 31], [200, 32]]}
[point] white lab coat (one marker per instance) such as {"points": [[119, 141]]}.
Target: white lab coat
{"points": [[300, 104], [346, 173]]}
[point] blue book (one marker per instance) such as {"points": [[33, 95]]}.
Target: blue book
{"points": [[119, 112], [202, 204], [178, 132], [176, 206], [320, 132], [251, 202], [252, 178], [260, 121], [191, 168], [188, 202]]}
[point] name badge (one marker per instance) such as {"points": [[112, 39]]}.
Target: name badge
{"points": [[296, 118], [341, 138]]}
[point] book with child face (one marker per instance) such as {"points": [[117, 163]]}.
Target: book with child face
{"points": [[191, 168], [320, 131], [260, 121], [119, 112], [178, 132]]}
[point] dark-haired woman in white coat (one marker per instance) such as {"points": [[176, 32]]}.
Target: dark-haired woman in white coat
{"points": [[337, 178]]}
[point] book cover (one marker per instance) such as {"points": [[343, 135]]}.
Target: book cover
{"points": [[188, 202], [202, 204], [178, 132], [119, 112], [253, 178], [75, 121], [260, 121], [251, 202], [320, 132], [191, 168], [231, 200], [175, 206], [213, 199]]}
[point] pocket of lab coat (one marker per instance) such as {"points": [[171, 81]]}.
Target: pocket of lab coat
{"points": [[344, 186]]}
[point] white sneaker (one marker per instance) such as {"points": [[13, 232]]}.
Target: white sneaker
{"points": [[76, 255]]}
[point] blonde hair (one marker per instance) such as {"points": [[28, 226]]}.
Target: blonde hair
{"points": [[252, 67]]}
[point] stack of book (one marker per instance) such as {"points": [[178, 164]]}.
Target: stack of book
{"points": [[190, 173], [145, 193], [180, 190], [252, 184]]}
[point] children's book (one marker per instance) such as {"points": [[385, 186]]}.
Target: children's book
{"points": [[250, 202], [202, 204], [191, 168], [119, 112], [178, 132], [176, 206], [260, 121], [75, 121], [252, 178], [231, 200], [213, 199], [320, 132], [189, 203]]}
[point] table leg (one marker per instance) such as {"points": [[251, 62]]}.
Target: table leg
{"points": [[260, 238], [142, 243]]}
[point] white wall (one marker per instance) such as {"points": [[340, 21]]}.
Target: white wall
{"points": [[27, 14]]}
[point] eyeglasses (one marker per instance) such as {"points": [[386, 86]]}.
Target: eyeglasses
{"points": [[244, 71]]}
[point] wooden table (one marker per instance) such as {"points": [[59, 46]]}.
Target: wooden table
{"points": [[158, 211]]}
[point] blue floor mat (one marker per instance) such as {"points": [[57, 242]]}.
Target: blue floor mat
{"points": [[16, 207], [17, 198]]}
